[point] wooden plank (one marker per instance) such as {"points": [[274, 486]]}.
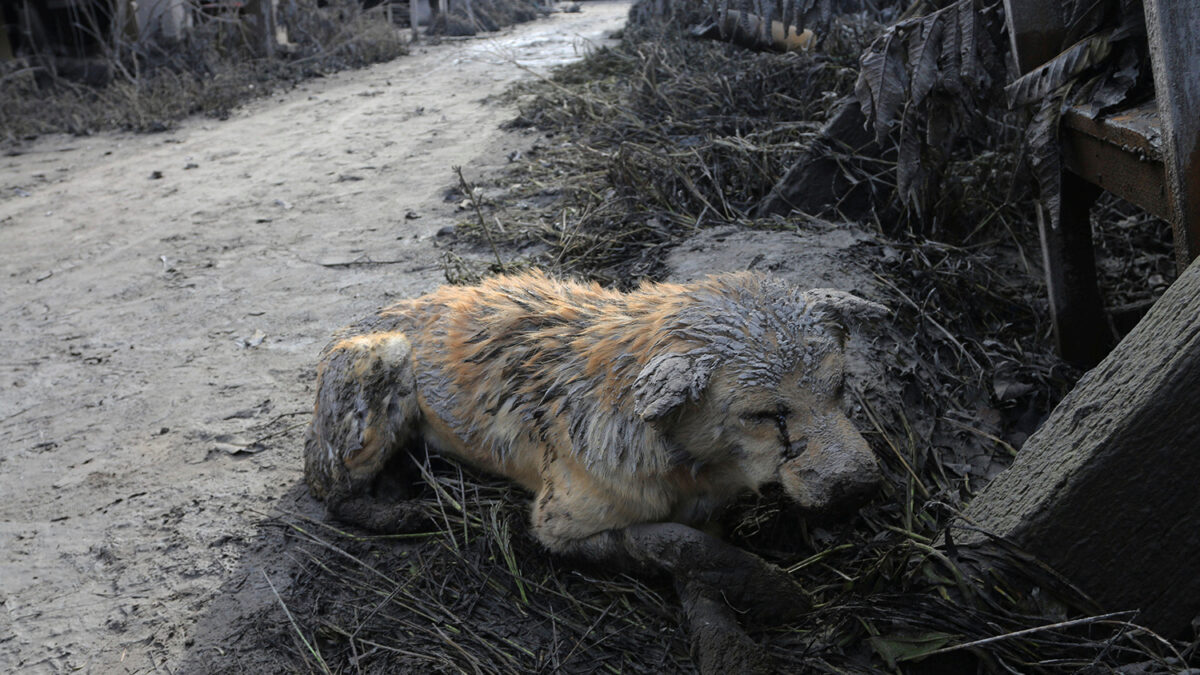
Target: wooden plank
{"points": [[1105, 490], [1076, 309], [1174, 31], [1137, 130], [1121, 153], [1117, 171], [1035, 28]]}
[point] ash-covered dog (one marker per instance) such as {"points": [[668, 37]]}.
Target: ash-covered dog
{"points": [[632, 418]]}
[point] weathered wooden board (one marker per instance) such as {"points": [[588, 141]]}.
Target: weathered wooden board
{"points": [[1035, 28], [1174, 31], [1107, 491]]}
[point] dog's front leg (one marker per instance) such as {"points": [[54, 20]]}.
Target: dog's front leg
{"points": [[708, 565], [716, 583]]}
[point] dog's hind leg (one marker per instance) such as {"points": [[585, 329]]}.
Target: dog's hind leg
{"points": [[363, 421]]}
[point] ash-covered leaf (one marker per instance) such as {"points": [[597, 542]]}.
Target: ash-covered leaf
{"points": [[768, 13], [883, 82], [1043, 157], [787, 12], [923, 57], [968, 42], [1115, 86], [949, 68], [819, 14], [1041, 81], [909, 171], [745, 19], [947, 55], [1083, 17]]}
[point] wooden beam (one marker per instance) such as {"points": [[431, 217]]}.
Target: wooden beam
{"points": [[1105, 490], [1174, 31], [1069, 260], [1035, 28], [1121, 153]]}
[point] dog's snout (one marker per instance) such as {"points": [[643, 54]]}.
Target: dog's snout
{"points": [[832, 468]]}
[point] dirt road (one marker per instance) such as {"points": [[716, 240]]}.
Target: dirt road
{"points": [[163, 302]]}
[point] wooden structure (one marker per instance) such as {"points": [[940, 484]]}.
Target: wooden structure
{"points": [[1148, 155], [1105, 490]]}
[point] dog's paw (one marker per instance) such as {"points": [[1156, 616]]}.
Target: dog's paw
{"points": [[769, 594], [716, 569], [718, 643]]}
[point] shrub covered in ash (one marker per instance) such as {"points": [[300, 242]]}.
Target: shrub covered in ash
{"points": [[147, 83]]}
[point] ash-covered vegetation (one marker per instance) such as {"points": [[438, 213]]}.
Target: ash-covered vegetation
{"points": [[112, 80], [83, 67]]}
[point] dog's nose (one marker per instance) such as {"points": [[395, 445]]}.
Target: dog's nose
{"points": [[859, 485], [836, 469]]}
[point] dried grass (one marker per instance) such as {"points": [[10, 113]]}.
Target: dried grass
{"points": [[148, 85], [211, 70]]}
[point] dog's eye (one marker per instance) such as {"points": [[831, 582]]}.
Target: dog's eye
{"points": [[773, 415], [793, 449]]}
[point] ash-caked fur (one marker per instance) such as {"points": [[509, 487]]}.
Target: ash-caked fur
{"points": [[613, 409]]}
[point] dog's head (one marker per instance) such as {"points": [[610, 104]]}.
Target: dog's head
{"points": [[759, 389]]}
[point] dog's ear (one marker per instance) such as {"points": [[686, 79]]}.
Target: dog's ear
{"points": [[842, 310], [670, 380]]}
